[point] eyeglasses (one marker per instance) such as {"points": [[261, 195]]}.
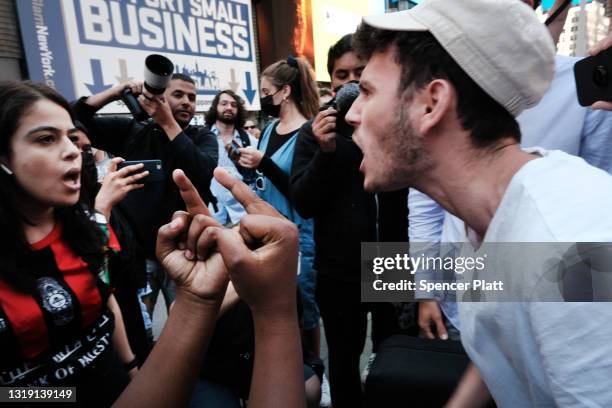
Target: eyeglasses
{"points": [[249, 127], [260, 181]]}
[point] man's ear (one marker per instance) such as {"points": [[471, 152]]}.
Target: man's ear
{"points": [[436, 99]]}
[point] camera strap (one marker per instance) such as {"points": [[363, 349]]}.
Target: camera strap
{"points": [[557, 12]]}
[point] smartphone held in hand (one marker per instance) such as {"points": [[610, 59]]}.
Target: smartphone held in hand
{"points": [[154, 167]]}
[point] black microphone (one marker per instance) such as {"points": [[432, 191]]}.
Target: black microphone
{"points": [[345, 96]]}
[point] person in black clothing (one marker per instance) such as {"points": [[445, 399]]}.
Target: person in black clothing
{"points": [[127, 267], [60, 324], [167, 137], [326, 185]]}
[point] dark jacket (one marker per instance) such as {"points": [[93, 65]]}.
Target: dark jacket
{"points": [[194, 150], [329, 187]]}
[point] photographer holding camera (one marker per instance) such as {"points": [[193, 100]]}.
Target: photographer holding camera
{"points": [[168, 137], [326, 185]]}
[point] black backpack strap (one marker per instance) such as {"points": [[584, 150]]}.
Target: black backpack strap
{"points": [[244, 138]]}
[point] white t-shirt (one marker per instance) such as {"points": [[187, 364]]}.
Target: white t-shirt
{"points": [[546, 354]]}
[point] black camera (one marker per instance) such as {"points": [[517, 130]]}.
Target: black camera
{"points": [[594, 78], [157, 73], [345, 96]]}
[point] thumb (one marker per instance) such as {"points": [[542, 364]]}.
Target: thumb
{"points": [[194, 203], [112, 166], [167, 235], [602, 105]]}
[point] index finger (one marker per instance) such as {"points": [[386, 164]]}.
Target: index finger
{"points": [[125, 171], [191, 198], [244, 195]]}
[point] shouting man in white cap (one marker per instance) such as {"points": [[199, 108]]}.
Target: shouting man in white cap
{"points": [[456, 73]]}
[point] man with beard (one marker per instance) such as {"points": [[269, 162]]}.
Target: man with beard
{"points": [[168, 137], [557, 122], [456, 87], [225, 119]]}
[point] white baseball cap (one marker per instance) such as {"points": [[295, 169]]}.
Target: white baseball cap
{"points": [[500, 44]]}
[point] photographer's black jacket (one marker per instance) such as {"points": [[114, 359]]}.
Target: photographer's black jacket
{"points": [[194, 150], [329, 187]]}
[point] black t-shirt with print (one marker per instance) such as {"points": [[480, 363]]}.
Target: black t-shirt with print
{"points": [[57, 334]]}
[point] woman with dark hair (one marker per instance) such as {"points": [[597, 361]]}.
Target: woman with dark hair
{"points": [[59, 322], [291, 95], [56, 323]]}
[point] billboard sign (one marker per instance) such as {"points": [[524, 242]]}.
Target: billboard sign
{"points": [[331, 19], [81, 47]]}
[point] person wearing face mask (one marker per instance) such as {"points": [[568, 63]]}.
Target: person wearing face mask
{"points": [[291, 95]]}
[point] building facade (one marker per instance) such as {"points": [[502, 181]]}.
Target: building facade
{"points": [[586, 25]]}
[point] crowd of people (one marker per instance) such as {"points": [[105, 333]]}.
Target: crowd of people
{"points": [[466, 128]]}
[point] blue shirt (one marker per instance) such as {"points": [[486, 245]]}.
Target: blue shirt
{"points": [[229, 210]]}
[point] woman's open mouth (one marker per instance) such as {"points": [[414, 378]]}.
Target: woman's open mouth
{"points": [[72, 179]]}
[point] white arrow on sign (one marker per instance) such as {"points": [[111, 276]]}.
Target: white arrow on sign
{"points": [[232, 83], [123, 74]]}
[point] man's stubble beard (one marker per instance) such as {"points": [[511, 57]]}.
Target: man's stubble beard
{"points": [[227, 121], [405, 155], [181, 123]]}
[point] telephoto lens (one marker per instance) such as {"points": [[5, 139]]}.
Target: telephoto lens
{"points": [[157, 73]]}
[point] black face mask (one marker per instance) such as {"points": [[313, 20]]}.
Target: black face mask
{"points": [[268, 106]]}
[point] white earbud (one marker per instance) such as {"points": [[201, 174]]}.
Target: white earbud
{"points": [[6, 169]]}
